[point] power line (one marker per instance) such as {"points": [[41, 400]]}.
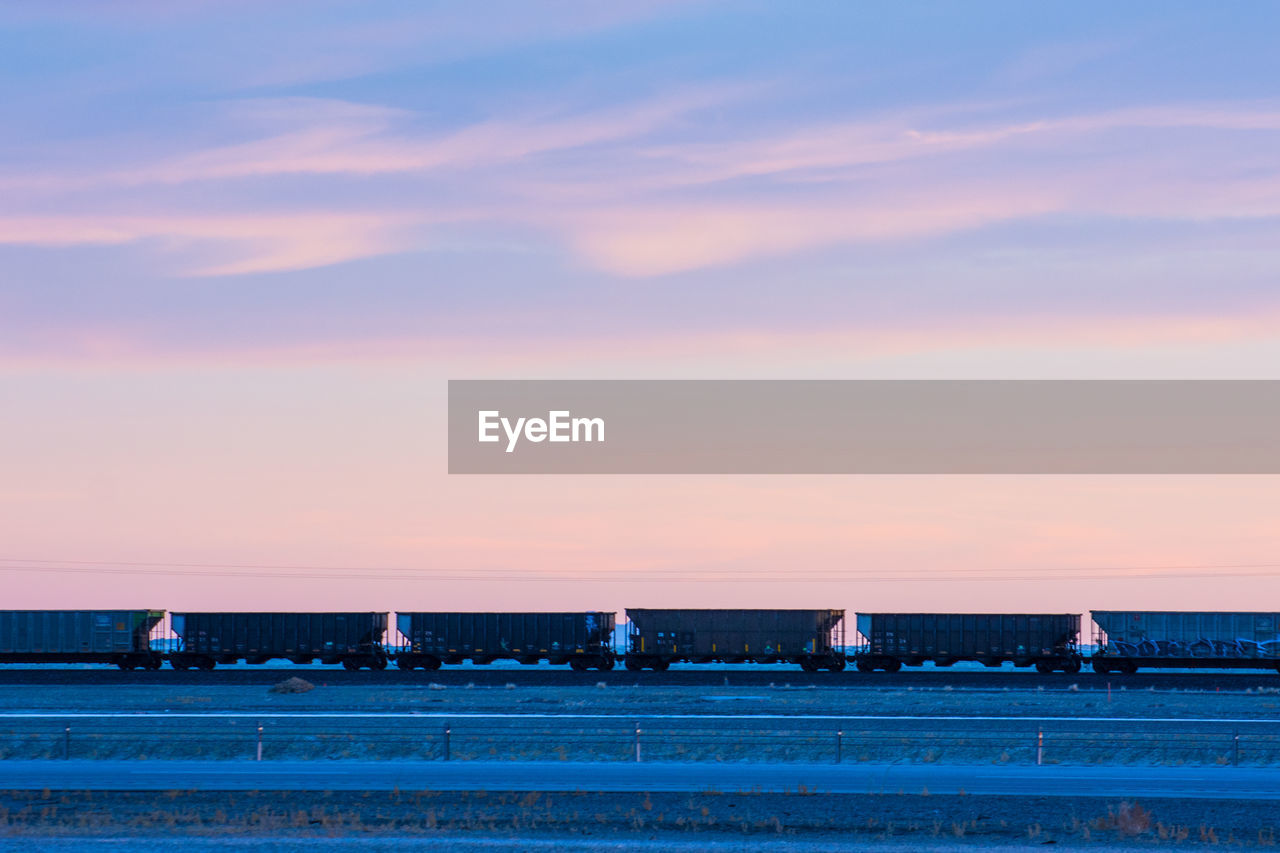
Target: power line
{"points": [[666, 575], [292, 566]]}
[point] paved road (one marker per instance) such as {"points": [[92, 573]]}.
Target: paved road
{"points": [[741, 676], [1234, 783]]}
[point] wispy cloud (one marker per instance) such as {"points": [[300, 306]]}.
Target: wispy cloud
{"points": [[929, 134], [653, 240], [328, 137], [230, 245], [651, 190]]}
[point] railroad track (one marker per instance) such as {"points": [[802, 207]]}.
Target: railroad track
{"points": [[744, 676]]}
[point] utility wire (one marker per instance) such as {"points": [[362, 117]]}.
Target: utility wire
{"points": [[665, 575]]}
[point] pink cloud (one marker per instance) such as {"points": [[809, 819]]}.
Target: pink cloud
{"points": [[653, 240], [228, 244], [1042, 345], [327, 137], [632, 206], [922, 133]]}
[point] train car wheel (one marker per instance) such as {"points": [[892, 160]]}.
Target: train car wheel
{"points": [[1044, 667], [660, 665], [577, 664], [1072, 666], [891, 664], [605, 664], [206, 664], [632, 664], [864, 665]]}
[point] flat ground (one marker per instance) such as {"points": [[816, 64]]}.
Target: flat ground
{"points": [[881, 723], [397, 821], [1074, 724], [780, 696], [1151, 783]]}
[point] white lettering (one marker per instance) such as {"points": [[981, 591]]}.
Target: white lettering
{"points": [[559, 421], [513, 435], [486, 425], [588, 424], [559, 426]]}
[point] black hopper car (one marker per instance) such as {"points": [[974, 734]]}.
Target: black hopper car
{"points": [[204, 640], [1047, 641], [120, 637], [1123, 641], [581, 640], [814, 639], [1128, 639]]}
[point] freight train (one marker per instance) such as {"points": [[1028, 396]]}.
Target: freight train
{"points": [[1123, 641]]}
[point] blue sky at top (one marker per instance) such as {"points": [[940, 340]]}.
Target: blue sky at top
{"points": [[248, 177]]}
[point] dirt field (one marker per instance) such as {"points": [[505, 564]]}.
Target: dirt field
{"points": [[726, 723], [682, 724], [737, 821], [1260, 702]]}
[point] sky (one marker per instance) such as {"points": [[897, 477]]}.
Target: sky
{"points": [[243, 247]]}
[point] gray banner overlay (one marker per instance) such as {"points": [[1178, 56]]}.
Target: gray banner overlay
{"points": [[864, 427]]}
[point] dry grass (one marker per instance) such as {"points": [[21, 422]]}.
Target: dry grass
{"points": [[1128, 819], [293, 685]]}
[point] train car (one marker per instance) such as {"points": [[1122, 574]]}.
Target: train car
{"points": [[1047, 641], [205, 640], [582, 640], [1126, 640], [814, 639], [121, 637]]}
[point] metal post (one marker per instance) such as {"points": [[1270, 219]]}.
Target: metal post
{"points": [[259, 741], [840, 746], [447, 731], [1235, 749], [637, 742], [1040, 747], [66, 743]]}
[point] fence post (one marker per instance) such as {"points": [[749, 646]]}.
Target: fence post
{"points": [[259, 742], [1235, 749], [447, 732], [637, 742], [66, 743], [840, 746], [1040, 747]]}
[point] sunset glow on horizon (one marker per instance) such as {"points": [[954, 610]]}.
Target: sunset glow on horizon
{"points": [[231, 293]]}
